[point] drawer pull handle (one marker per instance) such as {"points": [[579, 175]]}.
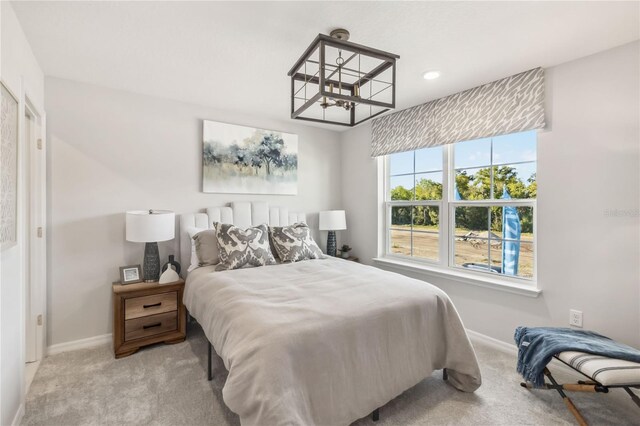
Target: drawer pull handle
{"points": [[158, 324], [152, 306]]}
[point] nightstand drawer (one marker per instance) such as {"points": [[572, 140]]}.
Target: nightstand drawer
{"points": [[150, 325], [137, 307]]}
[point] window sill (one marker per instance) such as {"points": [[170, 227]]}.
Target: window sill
{"points": [[466, 278]]}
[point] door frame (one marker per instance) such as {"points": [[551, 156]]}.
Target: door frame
{"points": [[35, 248]]}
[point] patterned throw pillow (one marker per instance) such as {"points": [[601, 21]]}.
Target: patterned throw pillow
{"points": [[294, 243], [243, 247]]}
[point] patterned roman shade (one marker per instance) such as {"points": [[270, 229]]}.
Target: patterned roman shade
{"points": [[513, 104]]}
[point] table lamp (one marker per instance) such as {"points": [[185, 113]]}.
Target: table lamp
{"points": [[150, 227], [332, 221]]}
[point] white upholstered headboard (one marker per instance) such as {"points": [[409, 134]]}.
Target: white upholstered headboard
{"points": [[240, 213]]}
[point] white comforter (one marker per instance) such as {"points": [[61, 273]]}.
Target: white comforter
{"points": [[326, 342]]}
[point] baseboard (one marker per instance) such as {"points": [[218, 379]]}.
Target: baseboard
{"points": [[19, 415], [89, 342], [499, 345], [511, 349]]}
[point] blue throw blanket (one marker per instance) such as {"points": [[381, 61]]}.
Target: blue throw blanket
{"points": [[537, 345]]}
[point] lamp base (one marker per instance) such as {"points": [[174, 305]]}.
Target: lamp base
{"points": [[331, 243], [151, 268]]}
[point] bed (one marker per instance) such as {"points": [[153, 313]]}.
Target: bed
{"points": [[322, 342]]}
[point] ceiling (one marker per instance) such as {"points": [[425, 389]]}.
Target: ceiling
{"points": [[235, 55]]}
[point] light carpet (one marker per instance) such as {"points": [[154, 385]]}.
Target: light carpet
{"points": [[167, 385]]}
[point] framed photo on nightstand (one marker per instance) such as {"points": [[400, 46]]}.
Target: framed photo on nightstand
{"points": [[130, 274]]}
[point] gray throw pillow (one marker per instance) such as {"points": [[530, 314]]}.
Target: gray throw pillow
{"points": [[243, 247], [207, 249], [294, 243]]}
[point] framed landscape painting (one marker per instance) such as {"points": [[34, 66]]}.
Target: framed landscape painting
{"points": [[245, 160]]}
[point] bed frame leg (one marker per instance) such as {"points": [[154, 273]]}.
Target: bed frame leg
{"points": [[209, 372], [445, 375], [375, 416]]}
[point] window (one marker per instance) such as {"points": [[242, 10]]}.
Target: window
{"points": [[416, 198], [469, 205]]}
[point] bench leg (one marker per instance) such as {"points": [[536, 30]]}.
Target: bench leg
{"points": [[574, 411], [567, 401], [633, 396]]}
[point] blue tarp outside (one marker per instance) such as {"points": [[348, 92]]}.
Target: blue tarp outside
{"points": [[511, 237]]}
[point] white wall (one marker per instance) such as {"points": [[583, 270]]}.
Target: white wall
{"points": [[21, 73], [112, 151], [588, 163]]}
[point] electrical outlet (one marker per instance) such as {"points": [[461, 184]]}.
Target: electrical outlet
{"points": [[575, 318]]}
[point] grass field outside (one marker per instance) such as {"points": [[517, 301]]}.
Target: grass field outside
{"points": [[475, 250]]}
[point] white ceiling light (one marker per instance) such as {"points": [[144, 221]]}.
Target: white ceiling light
{"points": [[431, 75]]}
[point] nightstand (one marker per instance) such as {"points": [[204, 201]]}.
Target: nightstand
{"points": [[147, 313], [353, 259]]}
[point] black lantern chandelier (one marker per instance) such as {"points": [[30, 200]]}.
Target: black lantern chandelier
{"points": [[336, 81]]}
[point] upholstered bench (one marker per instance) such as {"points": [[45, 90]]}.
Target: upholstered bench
{"points": [[602, 373], [605, 371]]}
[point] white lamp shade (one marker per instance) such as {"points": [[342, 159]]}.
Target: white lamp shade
{"points": [[332, 220], [145, 227]]}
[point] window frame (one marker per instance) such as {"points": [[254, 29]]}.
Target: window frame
{"points": [[446, 211]]}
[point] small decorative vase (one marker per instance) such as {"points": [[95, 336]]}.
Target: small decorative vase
{"points": [[345, 254], [173, 263], [169, 276]]}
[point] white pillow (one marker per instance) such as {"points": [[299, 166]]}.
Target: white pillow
{"points": [[194, 262]]}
